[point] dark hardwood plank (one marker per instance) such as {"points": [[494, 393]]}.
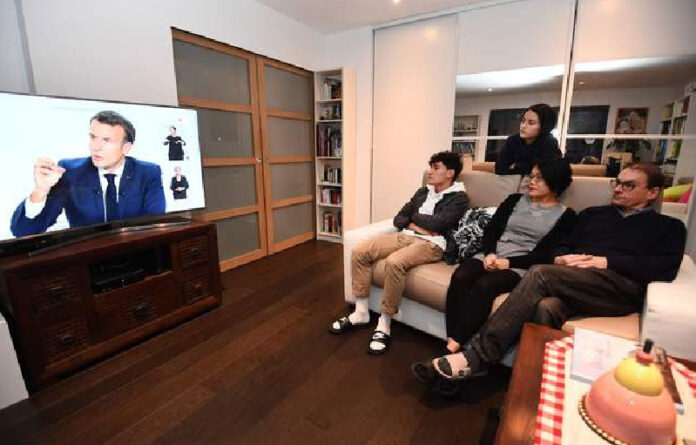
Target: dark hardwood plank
{"points": [[260, 369]]}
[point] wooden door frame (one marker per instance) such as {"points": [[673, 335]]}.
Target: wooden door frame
{"points": [[252, 109], [268, 160]]}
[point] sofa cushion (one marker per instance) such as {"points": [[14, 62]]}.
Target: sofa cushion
{"points": [[427, 284], [587, 192], [627, 326], [588, 170], [487, 189]]}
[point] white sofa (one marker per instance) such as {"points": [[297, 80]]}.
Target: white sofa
{"points": [[669, 316]]}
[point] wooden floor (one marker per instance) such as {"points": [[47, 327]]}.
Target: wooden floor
{"points": [[261, 369]]}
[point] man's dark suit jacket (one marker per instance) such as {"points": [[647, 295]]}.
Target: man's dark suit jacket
{"points": [[79, 192]]}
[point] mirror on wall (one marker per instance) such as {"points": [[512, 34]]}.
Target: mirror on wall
{"points": [[632, 94], [492, 104], [646, 107], [500, 73]]}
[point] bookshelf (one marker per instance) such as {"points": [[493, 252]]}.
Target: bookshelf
{"points": [[333, 92], [677, 156], [466, 126]]}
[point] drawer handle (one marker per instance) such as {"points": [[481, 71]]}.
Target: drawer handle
{"points": [[66, 339], [198, 289], [56, 292], [140, 310]]}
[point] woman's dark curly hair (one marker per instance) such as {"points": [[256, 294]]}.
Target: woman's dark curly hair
{"points": [[556, 174]]}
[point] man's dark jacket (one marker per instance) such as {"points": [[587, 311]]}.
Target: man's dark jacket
{"points": [[448, 211]]}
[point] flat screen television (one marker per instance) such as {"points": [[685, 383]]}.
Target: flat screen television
{"points": [[73, 166]]}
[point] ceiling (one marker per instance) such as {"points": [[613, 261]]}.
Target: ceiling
{"points": [[673, 71], [329, 16]]}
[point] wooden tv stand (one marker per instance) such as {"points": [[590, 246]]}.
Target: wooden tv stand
{"points": [[81, 302]]}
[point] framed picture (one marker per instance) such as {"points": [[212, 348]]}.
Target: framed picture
{"points": [[631, 121]]}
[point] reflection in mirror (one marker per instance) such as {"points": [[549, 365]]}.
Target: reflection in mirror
{"points": [[635, 100], [496, 100], [677, 187], [501, 72]]}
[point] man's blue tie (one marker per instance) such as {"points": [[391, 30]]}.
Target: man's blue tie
{"points": [[111, 202]]}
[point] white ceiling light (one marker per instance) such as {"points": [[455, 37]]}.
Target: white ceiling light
{"points": [[523, 77], [618, 65]]}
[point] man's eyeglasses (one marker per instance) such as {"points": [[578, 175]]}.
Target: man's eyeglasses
{"points": [[626, 186], [534, 177]]}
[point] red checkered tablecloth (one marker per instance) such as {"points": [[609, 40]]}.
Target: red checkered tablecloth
{"points": [[549, 421], [688, 374]]}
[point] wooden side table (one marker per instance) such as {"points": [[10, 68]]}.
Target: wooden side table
{"points": [[522, 399], [518, 422]]}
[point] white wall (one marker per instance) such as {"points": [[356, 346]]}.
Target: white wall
{"points": [[13, 74], [626, 29], [653, 98], [85, 48], [516, 35], [353, 49], [415, 71]]}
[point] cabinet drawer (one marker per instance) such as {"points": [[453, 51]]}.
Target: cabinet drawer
{"points": [[196, 286], [51, 290], [130, 308], [65, 339], [193, 251]]}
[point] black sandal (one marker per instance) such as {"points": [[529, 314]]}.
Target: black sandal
{"points": [[424, 372], [446, 388], [382, 338], [345, 325]]}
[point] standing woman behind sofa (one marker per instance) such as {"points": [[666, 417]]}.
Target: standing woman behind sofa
{"points": [[523, 231], [533, 144]]}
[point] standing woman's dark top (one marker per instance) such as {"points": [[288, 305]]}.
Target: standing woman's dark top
{"points": [[533, 144]]}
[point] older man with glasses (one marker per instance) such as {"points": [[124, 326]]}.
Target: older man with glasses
{"points": [[601, 269]]}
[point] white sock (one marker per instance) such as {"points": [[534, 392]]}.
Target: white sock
{"points": [[361, 314], [384, 324]]}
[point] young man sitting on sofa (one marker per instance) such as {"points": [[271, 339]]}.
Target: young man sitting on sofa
{"points": [[601, 269], [425, 224]]}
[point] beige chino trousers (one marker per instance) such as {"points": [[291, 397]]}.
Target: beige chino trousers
{"points": [[402, 252]]}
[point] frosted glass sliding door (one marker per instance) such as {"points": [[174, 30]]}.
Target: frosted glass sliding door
{"points": [[414, 81]]}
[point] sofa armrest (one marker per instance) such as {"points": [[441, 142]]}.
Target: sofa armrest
{"points": [[669, 317], [352, 238]]}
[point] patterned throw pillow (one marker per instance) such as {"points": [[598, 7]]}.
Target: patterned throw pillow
{"points": [[469, 233]]}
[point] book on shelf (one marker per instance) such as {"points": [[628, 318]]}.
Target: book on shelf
{"points": [[331, 88], [329, 141], [332, 174], [667, 111], [330, 196], [330, 112], [331, 223], [685, 105]]}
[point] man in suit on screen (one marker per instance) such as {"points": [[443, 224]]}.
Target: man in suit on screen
{"points": [[106, 186]]}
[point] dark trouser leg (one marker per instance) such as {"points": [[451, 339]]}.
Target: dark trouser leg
{"points": [[598, 292], [551, 312], [477, 303], [462, 281]]}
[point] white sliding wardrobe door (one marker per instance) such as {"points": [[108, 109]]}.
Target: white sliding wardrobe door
{"points": [[414, 82]]}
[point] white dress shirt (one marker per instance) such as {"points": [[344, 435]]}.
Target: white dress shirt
{"points": [[32, 209]]}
